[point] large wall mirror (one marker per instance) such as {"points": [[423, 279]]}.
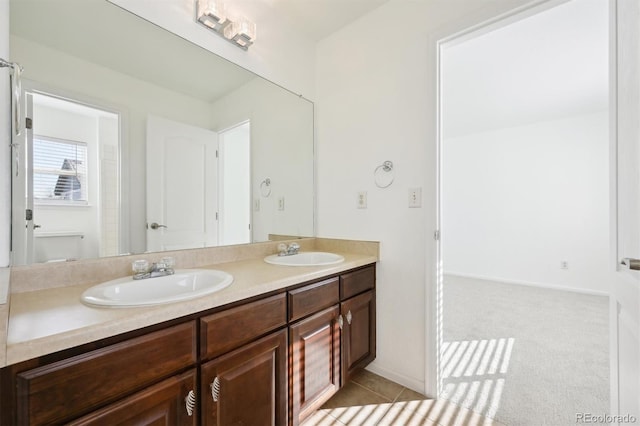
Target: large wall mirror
{"points": [[142, 141]]}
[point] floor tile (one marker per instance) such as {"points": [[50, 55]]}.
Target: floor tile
{"points": [[409, 395], [321, 418], [397, 415], [447, 413], [377, 384], [353, 394], [356, 406]]}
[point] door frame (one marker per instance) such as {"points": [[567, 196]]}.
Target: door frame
{"points": [[34, 87], [434, 284]]}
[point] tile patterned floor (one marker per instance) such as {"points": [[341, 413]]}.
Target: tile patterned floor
{"points": [[371, 400]]}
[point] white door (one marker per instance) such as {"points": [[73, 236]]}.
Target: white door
{"points": [[625, 289], [182, 186]]}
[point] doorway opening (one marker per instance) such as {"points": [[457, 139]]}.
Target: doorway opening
{"points": [[524, 208], [235, 184], [68, 182]]}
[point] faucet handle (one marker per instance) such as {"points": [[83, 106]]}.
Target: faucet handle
{"points": [[293, 248], [168, 261], [140, 266]]}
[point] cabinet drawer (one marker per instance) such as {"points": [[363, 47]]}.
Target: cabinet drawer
{"points": [[68, 388], [357, 281], [229, 329], [313, 298]]}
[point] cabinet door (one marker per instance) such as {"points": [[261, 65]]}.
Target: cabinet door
{"points": [[358, 333], [315, 362], [247, 386], [162, 404]]}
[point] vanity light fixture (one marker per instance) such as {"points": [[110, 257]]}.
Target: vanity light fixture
{"points": [[213, 15]]}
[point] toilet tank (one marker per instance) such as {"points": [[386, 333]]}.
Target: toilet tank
{"points": [[57, 246]]}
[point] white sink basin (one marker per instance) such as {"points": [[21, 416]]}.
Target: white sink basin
{"points": [[185, 284], [305, 258]]}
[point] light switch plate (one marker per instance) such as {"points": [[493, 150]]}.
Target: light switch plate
{"points": [[281, 203], [361, 201], [415, 197]]}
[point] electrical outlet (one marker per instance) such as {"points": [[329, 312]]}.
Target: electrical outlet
{"points": [[361, 201], [281, 203], [564, 264], [256, 205], [415, 197]]}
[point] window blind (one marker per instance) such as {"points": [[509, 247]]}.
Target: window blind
{"points": [[59, 170]]}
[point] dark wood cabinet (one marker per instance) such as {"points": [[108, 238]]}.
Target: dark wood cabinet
{"points": [[268, 361], [315, 362], [66, 389], [247, 386], [163, 404], [358, 333]]}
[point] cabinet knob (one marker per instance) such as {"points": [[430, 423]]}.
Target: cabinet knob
{"points": [[215, 389], [190, 402], [340, 322], [349, 317]]}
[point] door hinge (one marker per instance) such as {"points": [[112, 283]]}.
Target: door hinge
{"points": [[216, 215], [216, 153], [28, 123], [28, 214], [436, 235]]}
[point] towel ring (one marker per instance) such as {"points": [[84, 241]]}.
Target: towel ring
{"points": [[265, 187], [383, 175]]}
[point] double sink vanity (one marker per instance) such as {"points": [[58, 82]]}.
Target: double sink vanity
{"points": [[243, 338]]}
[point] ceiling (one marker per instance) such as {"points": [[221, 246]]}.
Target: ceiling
{"points": [[550, 65], [320, 18]]}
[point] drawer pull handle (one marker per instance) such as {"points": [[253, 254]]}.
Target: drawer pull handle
{"points": [[349, 317], [340, 322], [190, 402], [215, 389]]}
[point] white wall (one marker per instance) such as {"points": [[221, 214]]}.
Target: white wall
{"points": [[5, 169], [517, 201], [281, 130], [280, 54], [376, 86]]}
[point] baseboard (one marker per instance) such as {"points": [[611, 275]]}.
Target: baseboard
{"points": [[529, 284], [408, 382]]}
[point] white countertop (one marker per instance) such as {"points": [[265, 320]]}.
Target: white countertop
{"points": [[50, 320]]}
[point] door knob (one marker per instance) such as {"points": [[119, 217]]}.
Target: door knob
{"points": [[155, 225], [633, 264]]}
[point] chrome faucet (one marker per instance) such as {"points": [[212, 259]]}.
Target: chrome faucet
{"points": [[291, 249], [164, 267]]}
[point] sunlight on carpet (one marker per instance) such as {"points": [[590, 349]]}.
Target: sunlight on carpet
{"points": [[464, 363]]}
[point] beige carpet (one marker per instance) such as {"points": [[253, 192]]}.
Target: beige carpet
{"points": [[525, 355]]}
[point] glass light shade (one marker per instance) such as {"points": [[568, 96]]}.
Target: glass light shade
{"points": [[241, 31], [212, 13]]}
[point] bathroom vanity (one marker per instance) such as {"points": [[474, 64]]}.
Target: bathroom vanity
{"points": [[269, 349]]}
